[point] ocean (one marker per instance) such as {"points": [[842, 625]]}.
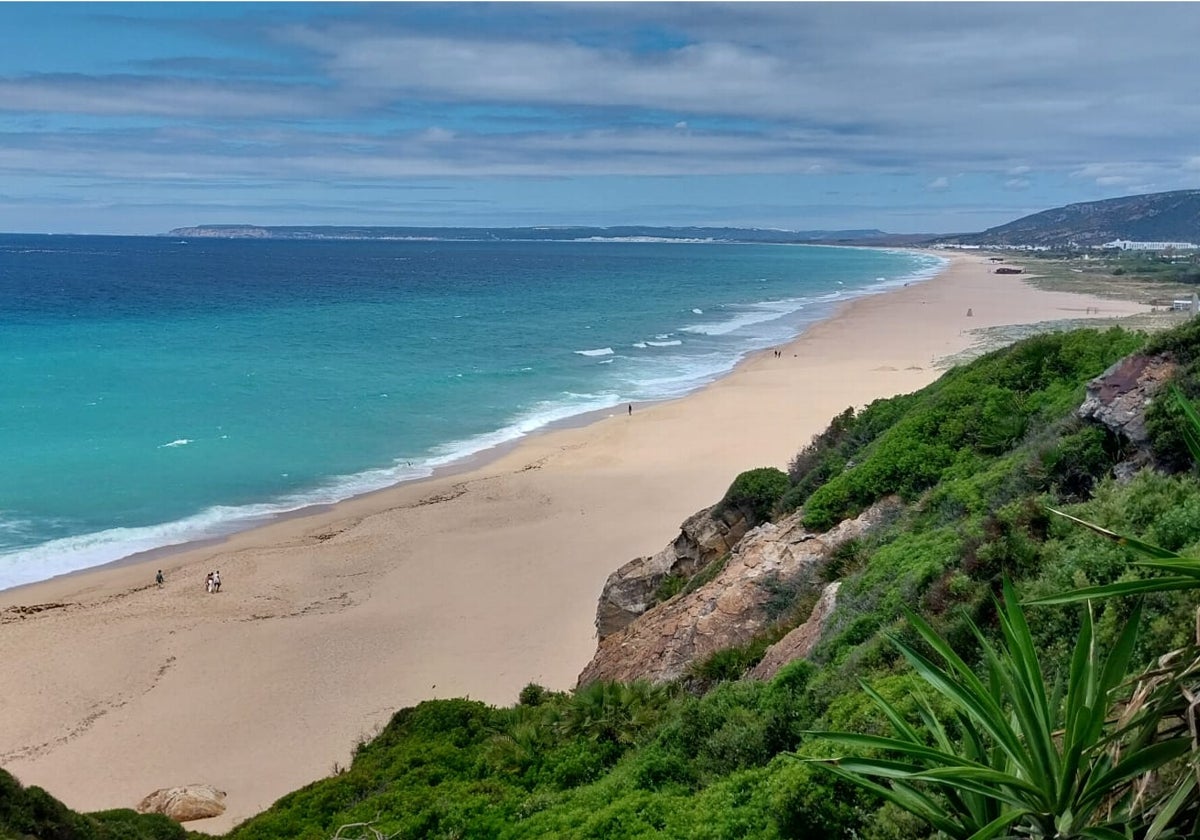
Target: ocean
{"points": [[158, 391]]}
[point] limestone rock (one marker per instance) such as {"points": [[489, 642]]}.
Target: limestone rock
{"points": [[703, 537], [799, 643], [184, 803], [728, 610], [1118, 398]]}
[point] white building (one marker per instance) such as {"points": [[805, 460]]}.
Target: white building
{"points": [[1128, 245]]}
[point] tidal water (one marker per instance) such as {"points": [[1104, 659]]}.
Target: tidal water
{"points": [[155, 391]]}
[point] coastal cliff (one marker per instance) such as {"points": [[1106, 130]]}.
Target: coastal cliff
{"points": [[774, 561], [733, 577]]}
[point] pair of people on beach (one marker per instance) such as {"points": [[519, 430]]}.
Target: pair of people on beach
{"points": [[213, 582]]}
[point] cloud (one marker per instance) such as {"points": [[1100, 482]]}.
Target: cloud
{"points": [[176, 155], [344, 96], [129, 95]]}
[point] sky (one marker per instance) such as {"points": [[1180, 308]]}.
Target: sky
{"points": [[907, 117]]}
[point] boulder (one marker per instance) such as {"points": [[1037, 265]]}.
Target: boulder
{"points": [[1118, 398], [729, 610], [629, 591], [184, 803], [798, 644]]}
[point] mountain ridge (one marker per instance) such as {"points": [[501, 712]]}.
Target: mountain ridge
{"points": [[1149, 217]]}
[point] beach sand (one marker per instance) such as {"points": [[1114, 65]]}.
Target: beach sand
{"points": [[470, 584]]}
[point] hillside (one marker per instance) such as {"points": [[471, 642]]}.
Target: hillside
{"points": [[1154, 217], [965, 469]]}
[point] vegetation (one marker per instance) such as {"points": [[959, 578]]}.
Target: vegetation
{"points": [[29, 813], [967, 715], [1028, 759], [755, 493]]}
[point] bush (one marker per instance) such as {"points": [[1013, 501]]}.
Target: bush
{"points": [[755, 493], [532, 695], [30, 812]]}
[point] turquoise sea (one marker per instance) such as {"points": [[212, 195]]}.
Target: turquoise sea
{"points": [[156, 391]]}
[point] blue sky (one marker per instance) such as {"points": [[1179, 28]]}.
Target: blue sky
{"points": [[908, 117]]}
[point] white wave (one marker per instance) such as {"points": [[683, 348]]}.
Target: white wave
{"points": [[606, 361], [180, 442], [13, 525], [641, 345], [603, 351], [658, 239], [69, 554], [749, 316], [674, 343], [662, 336], [697, 311]]}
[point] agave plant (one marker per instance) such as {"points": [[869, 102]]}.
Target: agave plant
{"points": [[1097, 757], [1029, 760]]}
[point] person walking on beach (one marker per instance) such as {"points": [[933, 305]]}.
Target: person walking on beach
{"points": [[158, 578], [631, 409], [208, 583], [217, 581]]}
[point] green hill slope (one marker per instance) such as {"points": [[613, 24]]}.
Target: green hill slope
{"points": [[1153, 217]]}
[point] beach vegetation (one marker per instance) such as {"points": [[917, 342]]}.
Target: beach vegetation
{"points": [[755, 494], [30, 813]]}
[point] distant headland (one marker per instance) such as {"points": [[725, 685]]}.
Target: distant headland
{"points": [[526, 234], [1166, 217]]}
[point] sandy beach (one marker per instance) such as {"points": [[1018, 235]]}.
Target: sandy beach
{"points": [[470, 584]]}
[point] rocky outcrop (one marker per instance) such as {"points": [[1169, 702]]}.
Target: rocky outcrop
{"points": [[798, 644], [629, 591], [184, 803], [1119, 397], [730, 609]]}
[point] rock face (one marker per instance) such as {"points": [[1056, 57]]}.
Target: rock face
{"points": [[628, 592], [1118, 398], [728, 610], [799, 643], [184, 803]]}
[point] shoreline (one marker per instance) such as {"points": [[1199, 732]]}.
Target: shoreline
{"points": [[471, 583], [478, 459]]}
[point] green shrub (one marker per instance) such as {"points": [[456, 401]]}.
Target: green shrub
{"points": [[30, 813], [755, 493], [532, 695], [670, 586]]}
